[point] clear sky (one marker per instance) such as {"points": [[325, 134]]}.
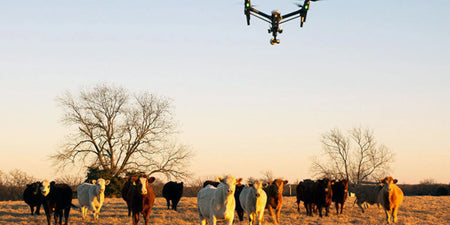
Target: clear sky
{"points": [[242, 105]]}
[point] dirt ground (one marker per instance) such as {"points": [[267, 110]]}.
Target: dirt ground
{"points": [[414, 210]]}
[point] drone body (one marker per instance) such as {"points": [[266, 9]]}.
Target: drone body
{"points": [[276, 19]]}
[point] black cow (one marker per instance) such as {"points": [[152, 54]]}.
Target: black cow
{"points": [[315, 194], [56, 199], [172, 191], [126, 187], [237, 192], [340, 192], [323, 195], [33, 197], [305, 192]]}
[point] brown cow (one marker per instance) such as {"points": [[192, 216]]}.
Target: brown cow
{"points": [[275, 198], [390, 197], [140, 198]]}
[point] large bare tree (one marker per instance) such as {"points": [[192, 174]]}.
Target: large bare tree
{"points": [[116, 131], [356, 156]]}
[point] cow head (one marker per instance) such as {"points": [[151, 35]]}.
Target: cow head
{"points": [[229, 184], [34, 187], [388, 182], [276, 186], [258, 186], [101, 184], [143, 184], [324, 185], [45, 187]]}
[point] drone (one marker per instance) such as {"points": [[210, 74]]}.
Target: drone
{"points": [[276, 19]]}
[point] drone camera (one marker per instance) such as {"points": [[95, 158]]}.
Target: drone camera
{"points": [[274, 41]]}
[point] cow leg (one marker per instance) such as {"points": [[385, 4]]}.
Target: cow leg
{"points": [[38, 209], [135, 218], [337, 207], [342, 207], [394, 213], [260, 217], [240, 214], [175, 204], [168, 203], [320, 210], [251, 217], [278, 214], [230, 221], [146, 216], [272, 214], [308, 210], [212, 220], [388, 215], [360, 205], [66, 215]]}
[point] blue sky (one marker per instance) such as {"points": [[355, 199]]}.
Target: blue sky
{"points": [[241, 103]]}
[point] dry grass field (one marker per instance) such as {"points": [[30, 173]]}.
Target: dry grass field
{"points": [[414, 210]]}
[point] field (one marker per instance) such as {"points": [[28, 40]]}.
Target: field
{"points": [[414, 210]]}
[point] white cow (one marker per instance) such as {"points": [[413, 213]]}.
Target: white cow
{"points": [[253, 200], [217, 203], [91, 196]]}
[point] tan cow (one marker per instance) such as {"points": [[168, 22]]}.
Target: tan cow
{"points": [[390, 197], [275, 198]]}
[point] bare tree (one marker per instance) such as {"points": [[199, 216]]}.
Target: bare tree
{"points": [[119, 132], [364, 160]]}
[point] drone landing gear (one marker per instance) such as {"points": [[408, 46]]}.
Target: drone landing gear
{"points": [[274, 41]]}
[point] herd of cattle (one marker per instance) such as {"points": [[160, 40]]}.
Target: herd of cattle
{"points": [[216, 201]]}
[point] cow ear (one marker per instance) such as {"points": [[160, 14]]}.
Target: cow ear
{"points": [[107, 182], [395, 181], [285, 181], [219, 179], [151, 180], [270, 182], [239, 180]]}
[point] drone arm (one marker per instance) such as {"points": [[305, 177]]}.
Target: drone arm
{"points": [[260, 13], [298, 12]]}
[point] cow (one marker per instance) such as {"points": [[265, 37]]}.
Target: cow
{"points": [[33, 197], [315, 194], [91, 196], [274, 193], [237, 192], [253, 200], [340, 192], [56, 199], [172, 191], [140, 198], [305, 192], [217, 203], [367, 193], [323, 195], [239, 187], [126, 187], [390, 197]]}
